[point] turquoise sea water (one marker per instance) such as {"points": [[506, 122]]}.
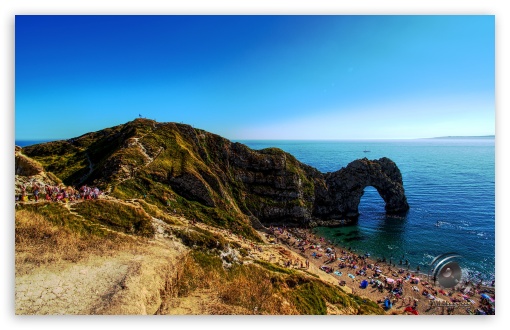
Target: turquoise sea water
{"points": [[450, 187]]}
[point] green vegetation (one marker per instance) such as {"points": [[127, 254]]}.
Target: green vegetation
{"points": [[96, 217], [272, 267], [311, 274], [308, 300], [365, 306], [165, 199], [196, 272], [46, 234], [263, 288], [61, 158], [143, 159], [155, 212], [272, 151], [200, 238], [118, 216], [310, 297], [58, 214]]}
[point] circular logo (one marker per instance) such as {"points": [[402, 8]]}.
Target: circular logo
{"points": [[445, 270]]}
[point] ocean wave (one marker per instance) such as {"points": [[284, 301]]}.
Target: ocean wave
{"points": [[465, 223], [475, 276], [427, 257]]}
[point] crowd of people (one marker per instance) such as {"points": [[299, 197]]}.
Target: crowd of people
{"points": [[394, 282], [56, 193]]}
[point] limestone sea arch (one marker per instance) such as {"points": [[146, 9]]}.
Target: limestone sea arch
{"points": [[346, 187]]}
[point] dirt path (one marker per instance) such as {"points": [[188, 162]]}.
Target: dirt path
{"points": [[125, 283], [70, 288], [91, 169]]}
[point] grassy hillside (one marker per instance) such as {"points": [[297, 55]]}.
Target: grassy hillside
{"points": [[215, 267], [263, 288], [183, 170]]}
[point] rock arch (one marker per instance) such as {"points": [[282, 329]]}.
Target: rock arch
{"points": [[345, 188]]}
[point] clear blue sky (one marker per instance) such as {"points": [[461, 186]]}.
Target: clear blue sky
{"points": [[257, 77]]}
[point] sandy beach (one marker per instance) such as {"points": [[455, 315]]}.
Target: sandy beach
{"points": [[409, 290], [301, 249]]}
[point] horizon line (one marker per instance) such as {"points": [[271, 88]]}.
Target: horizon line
{"points": [[290, 139]]}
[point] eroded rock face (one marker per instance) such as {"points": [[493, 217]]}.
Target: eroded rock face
{"points": [[193, 188], [276, 188], [280, 196], [25, 166], [28, 172]]}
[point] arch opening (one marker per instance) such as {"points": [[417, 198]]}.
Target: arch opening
{"points": [[374, 196], [371, 202]]}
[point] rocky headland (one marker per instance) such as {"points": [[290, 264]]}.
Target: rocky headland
{"points": [[178, 166]]}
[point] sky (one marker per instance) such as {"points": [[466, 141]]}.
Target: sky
{"points": [[257, 77]]}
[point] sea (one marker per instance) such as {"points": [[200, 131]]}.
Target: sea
{"points": [[450, 188], [26, 143]]}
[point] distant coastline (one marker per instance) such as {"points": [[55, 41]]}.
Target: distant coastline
{"points": [[26, 143], [465, 137]]}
